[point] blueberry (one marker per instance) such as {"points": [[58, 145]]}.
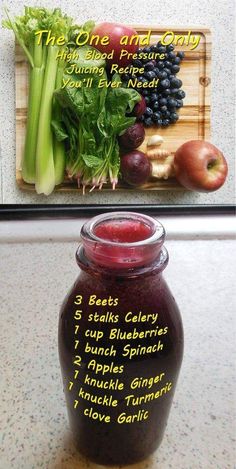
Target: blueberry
{"points": [[175, 83], [174, 117], [159, 123], [154, 48], [165, 83], [141, 79], [158, 74], [163, 109], [160, 65], [147, 100], [167, 64], [149, 66], [179, 103], [170, 47], [148, 122], [171, 103], [177, 61], [148, 112], [156, 116], [175, 68], [163, 101], [174, 91], [171, 56], [154, 97], [137, 63], [166, 114], [180, 94], [125, 77], [165, 122], [155, 106], [181, 55], [166, 92], [150, 75], [146, 49], [167, 70], [145, 92], [161, 49], [163, 75]]}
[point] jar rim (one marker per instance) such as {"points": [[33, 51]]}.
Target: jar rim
{"points": [[153, 268], [157, 234]]}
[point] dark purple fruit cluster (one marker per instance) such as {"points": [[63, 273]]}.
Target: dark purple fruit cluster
{"points": [[163, 101]]}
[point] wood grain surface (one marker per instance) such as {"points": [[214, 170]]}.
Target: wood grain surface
{"points": [[194, 122]]}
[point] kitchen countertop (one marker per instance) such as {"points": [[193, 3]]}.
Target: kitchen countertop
{"points": [[218, 15], [200, 433]]}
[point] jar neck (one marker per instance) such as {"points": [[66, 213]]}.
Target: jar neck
{"points": [[121, 241], [153, 268]]}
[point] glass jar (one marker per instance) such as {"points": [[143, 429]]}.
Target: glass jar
{"points": [[120, 340]]}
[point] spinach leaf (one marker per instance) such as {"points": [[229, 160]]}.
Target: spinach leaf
{"points": [[92, 119]]}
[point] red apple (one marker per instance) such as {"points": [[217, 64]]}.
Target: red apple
{"points": [[115, 32], [200, 166]]}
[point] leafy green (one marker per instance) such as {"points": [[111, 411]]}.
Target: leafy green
{"points": [[43, 161], [92, 119], [68, 127]]}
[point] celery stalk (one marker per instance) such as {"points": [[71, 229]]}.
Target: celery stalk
{"points": [[34, 100], [38, 163], [45, 171], [59, 153]]}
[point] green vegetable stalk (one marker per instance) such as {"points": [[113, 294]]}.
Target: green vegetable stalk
{"points": [[39, 164], [73, 128], [46, 161], [24, 28], [36, 75], [90, 122], [45, 172], [59, 153]]}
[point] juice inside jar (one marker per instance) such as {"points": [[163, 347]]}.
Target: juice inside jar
{"points": [[111, 251], [123, 231]]}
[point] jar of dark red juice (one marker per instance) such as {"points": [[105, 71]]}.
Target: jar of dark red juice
{"points": [[120, 340]]}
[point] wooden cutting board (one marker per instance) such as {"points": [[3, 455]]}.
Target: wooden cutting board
{"points": [[194, 122]]}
